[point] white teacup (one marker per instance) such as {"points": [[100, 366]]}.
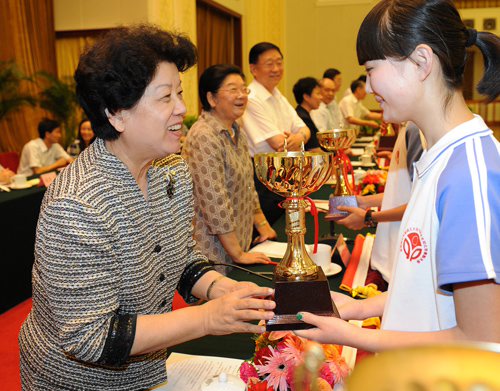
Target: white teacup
{"points": [[370, 149], [323, 256], [366, 159], [19, 180]]}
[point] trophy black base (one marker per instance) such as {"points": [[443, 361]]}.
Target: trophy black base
{"points": [[294, 296]]}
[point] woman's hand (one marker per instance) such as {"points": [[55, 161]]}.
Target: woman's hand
{"points": [[251, 258], [232, 312], [266, 232], [356, 218]]}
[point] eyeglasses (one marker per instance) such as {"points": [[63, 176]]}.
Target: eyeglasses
{"points": [[235, 91], [271, 64]]}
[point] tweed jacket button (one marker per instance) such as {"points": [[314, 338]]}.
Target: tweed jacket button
{"points": [[157, 248], [162, 277], [163, 303]]}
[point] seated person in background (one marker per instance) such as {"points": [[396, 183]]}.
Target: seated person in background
{"points": [[44, 154], [335, 76], [354, 111], [216, 150], [327, 115], [85, 137], [269, 119], [308, 97], [5, 174], [348, 91], [407, 150]]}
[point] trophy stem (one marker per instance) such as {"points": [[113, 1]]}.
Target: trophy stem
{"points": [[296, 264]]}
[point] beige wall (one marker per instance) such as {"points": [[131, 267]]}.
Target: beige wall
{"points": [[313, 34], [321, 35]]}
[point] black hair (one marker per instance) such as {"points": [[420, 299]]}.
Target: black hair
{"points": [[330, 73], [303, 86], [82, 142], [114, 73], [259, 48], [212, 78], [394, 28], [362, 78], [47, 126], [356, 84]]}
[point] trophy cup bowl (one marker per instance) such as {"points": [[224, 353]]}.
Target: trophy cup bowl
{"points": [[299, 283], [336, 140]]}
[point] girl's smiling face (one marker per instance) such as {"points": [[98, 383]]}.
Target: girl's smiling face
{"points": [[395, 86]]}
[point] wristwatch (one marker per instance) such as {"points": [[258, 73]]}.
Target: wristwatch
{"points": [[369, 219]]}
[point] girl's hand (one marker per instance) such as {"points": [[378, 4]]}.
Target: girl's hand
{"points": [[233, 312], [356, 218], [328, 329]]}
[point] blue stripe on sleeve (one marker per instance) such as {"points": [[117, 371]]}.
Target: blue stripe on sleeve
{"points": [[458, 256]]}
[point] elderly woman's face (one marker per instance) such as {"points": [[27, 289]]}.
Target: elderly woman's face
{"points": [[153, 126], [231, 99]]}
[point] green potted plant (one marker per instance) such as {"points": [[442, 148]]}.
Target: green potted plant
{"points": [[11, 96], [59, 98]]}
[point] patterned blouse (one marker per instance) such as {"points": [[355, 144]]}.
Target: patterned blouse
{"points": [[103, 255], [225, 196]]}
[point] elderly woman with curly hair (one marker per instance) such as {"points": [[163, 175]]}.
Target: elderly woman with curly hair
{"points": [[114, 237], [226, 203]]}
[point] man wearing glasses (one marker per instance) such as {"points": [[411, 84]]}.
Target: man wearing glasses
{"points": [[269, 119]]}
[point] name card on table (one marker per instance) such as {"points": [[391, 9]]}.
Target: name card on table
{"points": [[47, 178], [341, 247]]}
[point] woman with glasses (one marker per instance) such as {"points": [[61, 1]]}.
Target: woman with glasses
{"points": [[226, 203]]}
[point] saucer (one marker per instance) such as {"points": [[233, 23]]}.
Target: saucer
{"points": [[357, 163], [20, 187], [332, 270]]}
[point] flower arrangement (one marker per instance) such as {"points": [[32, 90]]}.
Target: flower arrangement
{"points": [[279, 360], [373, 182]]}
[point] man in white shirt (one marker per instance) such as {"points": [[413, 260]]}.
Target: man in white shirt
{"points": [[328, 115], [269, 118], [354, 112], [44, 154]]}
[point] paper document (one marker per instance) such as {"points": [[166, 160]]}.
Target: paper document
{"points": [[188, 373], [270, 248]]}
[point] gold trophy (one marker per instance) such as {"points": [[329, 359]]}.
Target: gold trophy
{"points": [[300, 285], [336, 141]]}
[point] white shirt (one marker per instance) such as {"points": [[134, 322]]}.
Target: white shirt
{"points": [[327, 117], [450, 232], [267, 115], [350, 106], [396, 193], [36, 154]]}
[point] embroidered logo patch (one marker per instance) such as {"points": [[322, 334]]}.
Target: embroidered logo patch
{"points": [[413, 245]]}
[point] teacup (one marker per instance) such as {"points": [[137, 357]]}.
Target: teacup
{"points": [[370, 149], [366, 159], [323, 256], [19, 180]]}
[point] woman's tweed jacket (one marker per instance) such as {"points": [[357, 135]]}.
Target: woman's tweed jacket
{"points": [[102, 249]]}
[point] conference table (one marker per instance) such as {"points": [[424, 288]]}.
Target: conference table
{"points": [[19, 211]]}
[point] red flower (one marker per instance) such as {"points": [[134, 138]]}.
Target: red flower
{"points": [[261, 355], [247, 371], [260, 386]]}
